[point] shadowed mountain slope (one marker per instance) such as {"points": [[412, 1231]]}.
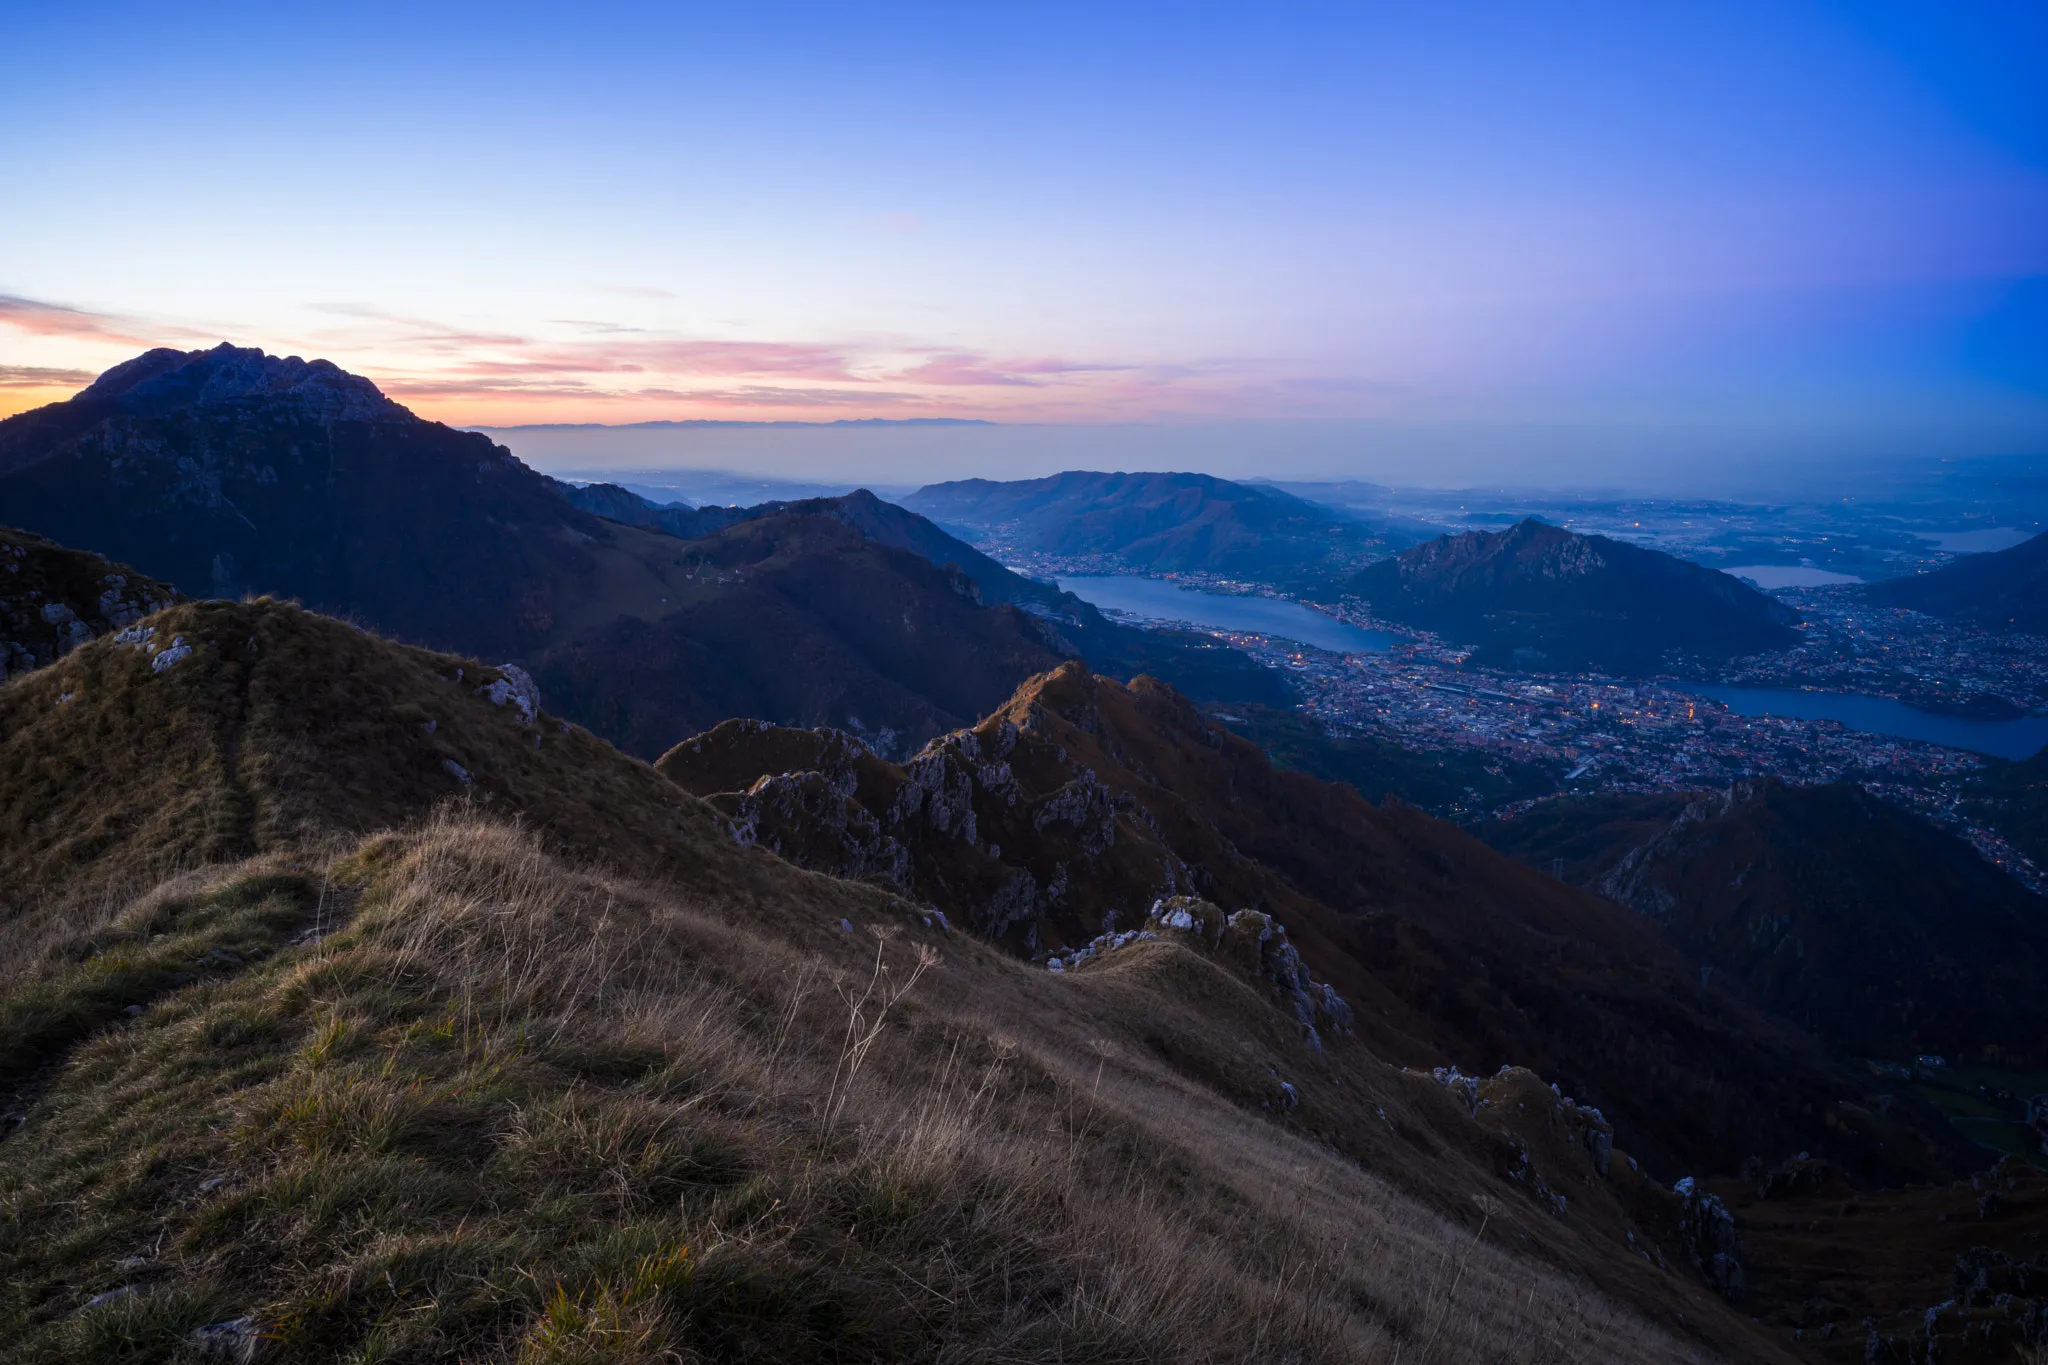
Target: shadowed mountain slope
{"points": [[2013, 799], [614, 503], [1537, 594], [799, 619], [464, 1090], [1154, 523], [2006, 589], [1865, 924], [1192, 662], [1071, 809], [53, 599], [228, 471]]}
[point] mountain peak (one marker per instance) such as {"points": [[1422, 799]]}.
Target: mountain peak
{"points": [[165, 380], [1542, 595]]}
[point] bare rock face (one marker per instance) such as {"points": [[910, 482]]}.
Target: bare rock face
{"points": [[162, 380], [1709, 1232], [53, 600], [1001, 826], [1256, 944]]}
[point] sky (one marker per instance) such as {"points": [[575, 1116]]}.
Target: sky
{"points": [[1312, 240]]}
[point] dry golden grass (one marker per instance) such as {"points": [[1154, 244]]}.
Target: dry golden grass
{"points": [[514, 1109]]}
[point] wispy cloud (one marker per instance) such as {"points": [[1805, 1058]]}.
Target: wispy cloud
{"points": [[707, 358], [776, 396], [38, 318], [484, 387], [400, 329], [597, 369], [42, 377], [962, 369]]}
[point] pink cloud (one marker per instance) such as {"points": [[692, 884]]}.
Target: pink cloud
{"points": [[968, 370], [774, 396], [720, 359], [55, 320], [40, 377], [519, 386], [704, 359], [399, 329]]}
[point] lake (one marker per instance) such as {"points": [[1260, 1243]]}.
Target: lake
{"points": [[1157, 600], [1769, 576], [2020, 738], [1978, 542]]}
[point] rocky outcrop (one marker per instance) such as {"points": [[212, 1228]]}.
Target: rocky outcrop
{"points": [[53, 599], [1251, 941], [955, 826], [1709, 1232]]}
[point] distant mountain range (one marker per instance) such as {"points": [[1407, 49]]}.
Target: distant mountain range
{"points": [[2006, 589], [1864, 923], [1158, 523], [230, 471], [1540, 596], [693, 423]]}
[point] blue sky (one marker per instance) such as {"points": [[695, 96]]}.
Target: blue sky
{"points": [[1759, 228]]}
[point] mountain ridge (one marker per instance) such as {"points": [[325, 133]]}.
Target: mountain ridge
{"points": [[2006, 588], [228, 471], [1157, 522], [1541, 594], [1065, 813]]}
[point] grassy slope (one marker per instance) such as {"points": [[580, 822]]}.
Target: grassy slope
{"points": [[509, 1105], [511, 1109], [285, 726], [1450, 952]]}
